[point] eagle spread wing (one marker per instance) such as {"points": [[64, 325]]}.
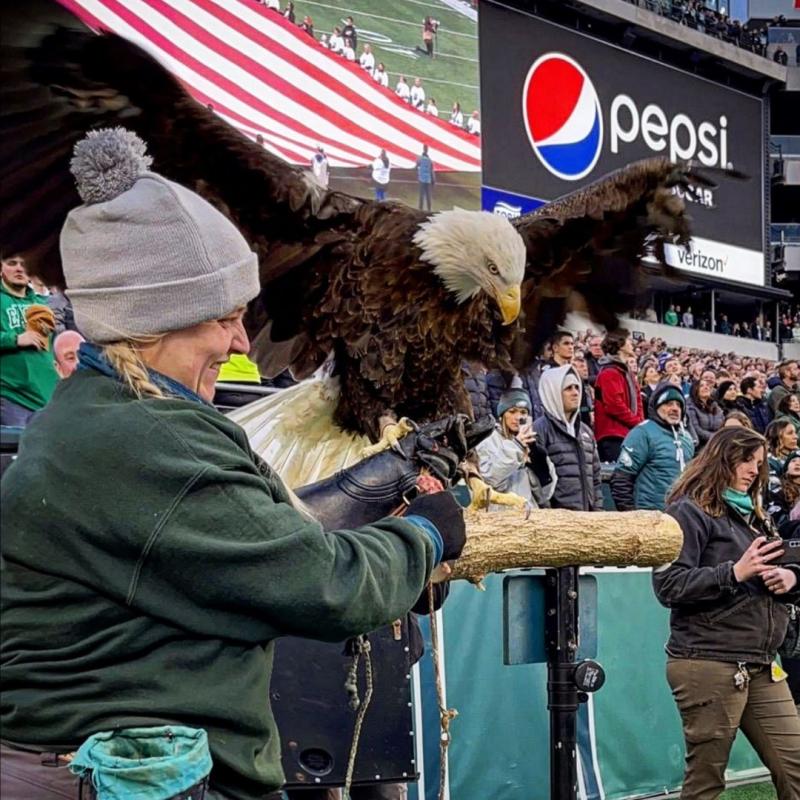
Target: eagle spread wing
{"points": [[398, 297]]}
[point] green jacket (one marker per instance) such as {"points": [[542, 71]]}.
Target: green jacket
{"points": [[149, 563], [27, 375], [671, 318]]}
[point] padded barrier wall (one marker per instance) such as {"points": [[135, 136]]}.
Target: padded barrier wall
{"points": [[632, 747]]}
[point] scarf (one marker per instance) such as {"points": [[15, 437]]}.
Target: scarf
{"points": [[90, 356], [739, 501]]}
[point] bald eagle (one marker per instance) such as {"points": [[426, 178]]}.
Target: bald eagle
{"points": [[396, 298]]}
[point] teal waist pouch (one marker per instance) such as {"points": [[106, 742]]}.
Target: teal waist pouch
{"points": [[143, 763]]}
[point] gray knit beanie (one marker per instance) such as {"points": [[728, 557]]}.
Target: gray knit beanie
{"points": [[144, 255]]}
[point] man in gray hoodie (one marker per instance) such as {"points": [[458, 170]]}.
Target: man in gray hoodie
{"points": [[569, 443]]}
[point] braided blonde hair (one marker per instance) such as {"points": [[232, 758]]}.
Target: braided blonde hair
{"points": [[126, 358]]}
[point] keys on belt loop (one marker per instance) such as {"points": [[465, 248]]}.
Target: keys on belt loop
{"points": [[742, 676]]}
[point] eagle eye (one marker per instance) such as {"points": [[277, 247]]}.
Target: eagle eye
{"points": [[492, 267]]}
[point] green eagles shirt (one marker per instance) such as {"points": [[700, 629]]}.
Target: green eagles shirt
{"points": [[149, 563], [27, 375]]}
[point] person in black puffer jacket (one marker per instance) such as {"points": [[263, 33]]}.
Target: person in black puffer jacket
{"points": [[728, 618], [485, 388], [568, 442]]}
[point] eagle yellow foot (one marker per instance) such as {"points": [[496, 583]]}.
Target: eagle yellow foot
{"points": [[390, 437], [483, 496]]}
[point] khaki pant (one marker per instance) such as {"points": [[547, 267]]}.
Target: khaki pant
{"points": [[713, 709]]}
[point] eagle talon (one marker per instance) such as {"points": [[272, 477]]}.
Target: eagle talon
{"points": [[390, 438], [483, 496]]}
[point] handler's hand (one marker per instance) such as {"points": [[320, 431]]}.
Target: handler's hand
{"points": [[755, 560], [32, 339], [780, 580], [441, 573]]}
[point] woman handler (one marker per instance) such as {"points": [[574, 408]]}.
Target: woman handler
{"points": [[150, 559], [729, 618]]}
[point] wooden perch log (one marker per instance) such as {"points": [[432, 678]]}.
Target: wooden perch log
{"points": [[506, 540]]}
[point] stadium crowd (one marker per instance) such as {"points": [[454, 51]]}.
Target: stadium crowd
{"points": [[758, 328], [697, 15]]}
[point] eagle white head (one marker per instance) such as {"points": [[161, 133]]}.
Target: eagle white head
{"points": [[473, 251]]}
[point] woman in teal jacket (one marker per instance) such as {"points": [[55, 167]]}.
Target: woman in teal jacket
{"points": [[150, 558]]}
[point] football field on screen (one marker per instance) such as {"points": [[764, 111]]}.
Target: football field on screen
{"points": [[394, 30]]}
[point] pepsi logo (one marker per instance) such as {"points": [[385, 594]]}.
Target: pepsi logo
{"points": [[562, 116]]}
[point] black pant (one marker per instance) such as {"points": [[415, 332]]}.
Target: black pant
{"points": [[608, 448]]}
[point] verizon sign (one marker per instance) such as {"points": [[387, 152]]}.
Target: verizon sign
{"points": [[712, 259]]}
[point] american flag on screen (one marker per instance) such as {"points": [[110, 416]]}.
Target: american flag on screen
{"points": [[266, 77]]}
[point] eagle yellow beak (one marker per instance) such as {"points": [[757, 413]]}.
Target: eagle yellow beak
{"points": [[508, 302]]}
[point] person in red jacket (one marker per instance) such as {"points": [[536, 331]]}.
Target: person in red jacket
{"points": [[618, 402]]}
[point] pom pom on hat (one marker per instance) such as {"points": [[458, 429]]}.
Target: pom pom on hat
{"points": [[108, 162]]}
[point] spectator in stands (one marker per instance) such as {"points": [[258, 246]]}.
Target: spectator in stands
{"points": [[381, 76], [688, 318], [474, 124], [381, 174], [653, 454], [456, 117], [402, 89], [288, 12], [728, 618], [348, 52], [319, 167], [562, 344], [323, 41], [367, 60], [568, 442], [780, 56], [273, 5], [781, 439], [336, 41], [307, 26], [753, 404], [724, 326], [728, 396], [671, 317], [418, 94], [432, 108], [349, 32], [426, 177], [705, 415], [27, 373], [65, 352], [789, 375], [648, 380], [510, 459], [789, 408], [62, 310], [593, 356], [618, 403], [737, 419], [783, 497]]}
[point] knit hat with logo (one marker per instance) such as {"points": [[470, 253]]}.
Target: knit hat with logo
{"points": [[144, 255], [513, 398]]}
